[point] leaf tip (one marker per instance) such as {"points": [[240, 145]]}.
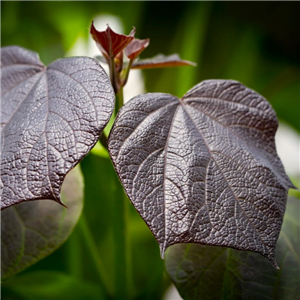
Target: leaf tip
{"points": [[271, 258], [58, 200], [274, 263]]}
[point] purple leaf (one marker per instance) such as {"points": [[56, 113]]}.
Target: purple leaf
{"points": [[161, 61], [109, 42], [134, 49], [204, 168], [51, 117]]}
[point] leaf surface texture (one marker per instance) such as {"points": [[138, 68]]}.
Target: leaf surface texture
{"points": [[203, 168]]}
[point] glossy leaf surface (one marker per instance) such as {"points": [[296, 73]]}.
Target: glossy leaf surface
{"points": [[207, 272], [31, 231], [50, 119], [203, 168], [161, 61]]}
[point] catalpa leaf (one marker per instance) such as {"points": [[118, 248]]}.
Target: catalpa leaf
{"points": [[31, 231], [50, 119], [161, 61], [203, 169], [207, 272]]}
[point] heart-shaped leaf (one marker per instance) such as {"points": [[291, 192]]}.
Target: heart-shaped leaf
{"points": [[50, 119], [31, 231], [207, 272], [203, 168]]}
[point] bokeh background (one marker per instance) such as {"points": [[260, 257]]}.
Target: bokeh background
{"points": [[256, 43]]}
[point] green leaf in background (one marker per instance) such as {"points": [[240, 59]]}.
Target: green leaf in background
{"points": [[202, 272], [145, 273], [31, 231], [50, 285]]}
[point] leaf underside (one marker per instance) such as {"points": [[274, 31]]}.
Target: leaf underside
{"points": [[50, 119], [203, 169], [161, 61]]}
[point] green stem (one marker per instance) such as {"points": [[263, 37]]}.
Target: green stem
{"points": [[74, 251], [122, 253], [126, 73], [122, 270], [103, 140], [119, 100], [113, 75], [92, 247]]}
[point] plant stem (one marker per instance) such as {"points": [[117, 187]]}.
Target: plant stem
{"points": [[121, 252], [74, 251], [126, 73], [103, 140], [113, 75], [122, 258], [119, 100], [122, 270], [91, 246]]}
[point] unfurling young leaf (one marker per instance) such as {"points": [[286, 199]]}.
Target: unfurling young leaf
{"points": [[134, 49], [51, 117], [204, 168], [109, 42]]}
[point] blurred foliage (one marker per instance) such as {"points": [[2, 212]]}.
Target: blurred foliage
{"points": [[252, 42]]}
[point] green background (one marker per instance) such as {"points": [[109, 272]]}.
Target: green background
{"points": [[256, 43]]}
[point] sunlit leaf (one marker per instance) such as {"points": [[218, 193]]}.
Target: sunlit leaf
{"points": [[207, 272], [161, 61], [51, 117], [31, 231], [109, 42], [134, 49], [203, 168]]}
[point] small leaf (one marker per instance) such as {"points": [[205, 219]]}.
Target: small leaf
{"points": [[109, 42], [134, 49], [206, 272], [161, 61], [31, 231], [51, 117], [203, 168]]}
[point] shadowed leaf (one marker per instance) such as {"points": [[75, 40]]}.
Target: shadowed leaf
{"points": [[51, 117], [31, 231], [203, 168], [206, 272], [161, 61]]}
